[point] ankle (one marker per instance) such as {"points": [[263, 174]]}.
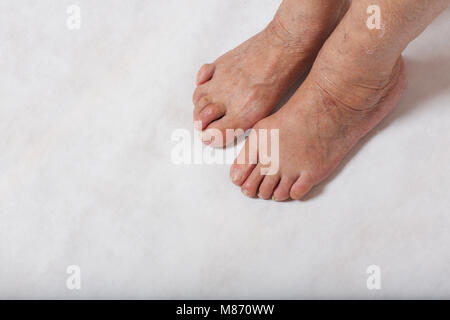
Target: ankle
{"points": [[353, 89], [321, 17]]}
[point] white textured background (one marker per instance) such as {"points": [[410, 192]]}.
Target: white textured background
{"points": [[86, 176]]}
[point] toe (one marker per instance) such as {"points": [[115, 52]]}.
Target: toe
{"points": [[205, 73], [208, 114], [224, 131], [199, 93], [240, 172], [301, 187], [251, 185], [244, 163], [282, 192], [268, 185]]}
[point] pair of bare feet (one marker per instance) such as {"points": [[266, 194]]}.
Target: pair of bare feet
{"points": [[357, 78]]}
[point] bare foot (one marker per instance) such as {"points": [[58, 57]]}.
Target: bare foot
{"points": [[244, 85], [352, 86]]}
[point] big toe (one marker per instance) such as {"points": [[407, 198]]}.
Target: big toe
{"points": [[205, 73], [208, 114], [244, 163], [240, 172], [222, 132]]}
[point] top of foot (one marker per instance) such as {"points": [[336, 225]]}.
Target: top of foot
{"points": [[244, 85]]}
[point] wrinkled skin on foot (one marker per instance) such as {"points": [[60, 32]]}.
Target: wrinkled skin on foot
{"points": [[349, 91], [316, 131], [244, 85]]}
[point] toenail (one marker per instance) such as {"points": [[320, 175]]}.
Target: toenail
{"points": [[206, 137], [235, 176]]}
